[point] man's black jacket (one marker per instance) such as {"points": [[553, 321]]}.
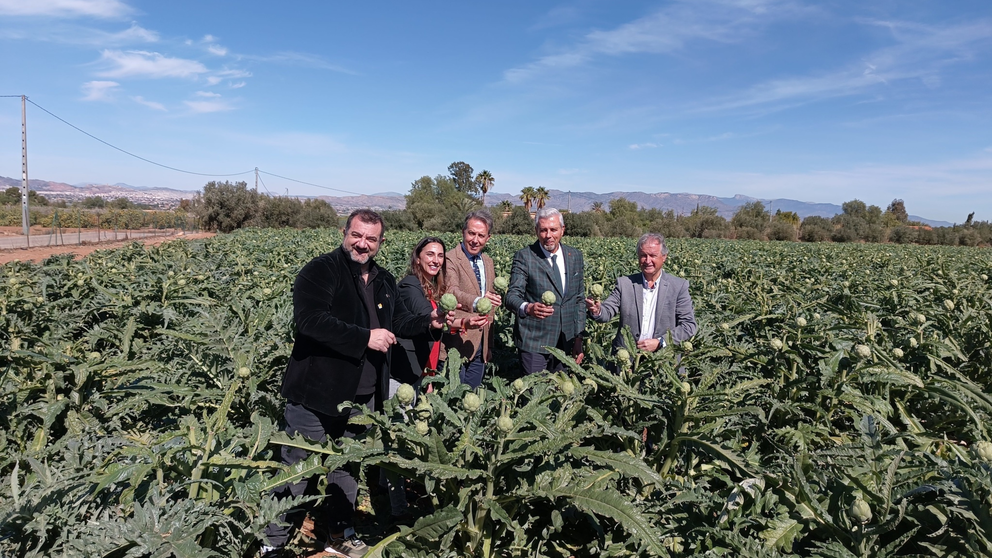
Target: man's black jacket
{"points": [[332, 332]]}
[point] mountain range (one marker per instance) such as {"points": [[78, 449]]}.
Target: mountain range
{"points": [[680, 203]]}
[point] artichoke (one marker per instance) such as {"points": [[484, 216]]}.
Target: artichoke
{"points": [[501, 284], [244, 372], [471, 402], [776, 343], [596, 292], [862, 351], [983, 451], [897, 352], [860, 511], [449, 302], [422, 427], [567, 387], [548, 298], [623, 355], [405, 394], [424, 409], [483, 306], [519, 385], [505, 424], [801, 321]]}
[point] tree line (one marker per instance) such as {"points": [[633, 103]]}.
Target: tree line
{"points": [[439, 203]]}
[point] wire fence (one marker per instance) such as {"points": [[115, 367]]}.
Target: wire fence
{"points": [[60, 227]]}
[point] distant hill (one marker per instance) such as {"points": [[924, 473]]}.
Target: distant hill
{"points": [[682, 203], [152, 196]]}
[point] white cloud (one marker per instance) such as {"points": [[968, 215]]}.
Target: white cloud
{"points": [[238, 85], [143, 64], [233, 74], [99, 90], [150, 104], [71, 34], [217, 50], [135, 33], [301, 59], [214, 80], [107, 9], [661, 32], [919, 53], [207, 94], [636, 146], [208, 106]]}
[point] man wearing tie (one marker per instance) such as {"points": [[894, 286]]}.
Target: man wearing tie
{"points": [[652, 303], [469, 276], [547, 265]]}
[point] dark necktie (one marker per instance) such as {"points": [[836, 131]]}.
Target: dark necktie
{"points": [[478, 274], [556, 273]]}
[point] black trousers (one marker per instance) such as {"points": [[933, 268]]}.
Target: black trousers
{"points": [[338, 507]]}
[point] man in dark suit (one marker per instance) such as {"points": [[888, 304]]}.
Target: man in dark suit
{"points": [[652, 303], [547, 265], [346, 312], [469, 275]]}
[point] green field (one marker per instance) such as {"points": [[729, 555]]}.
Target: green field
{"points": [[837, 403]]}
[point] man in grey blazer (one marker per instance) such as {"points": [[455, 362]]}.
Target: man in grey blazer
{"points": [[547, 265], [652, 303]]}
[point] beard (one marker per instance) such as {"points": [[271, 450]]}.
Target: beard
{"points": [[359, 258]]}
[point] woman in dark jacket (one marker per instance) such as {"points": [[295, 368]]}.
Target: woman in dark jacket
{"points": [[420, 291]]}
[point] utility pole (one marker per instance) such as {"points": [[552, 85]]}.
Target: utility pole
{"points": [[25, 216], [256, 179]]}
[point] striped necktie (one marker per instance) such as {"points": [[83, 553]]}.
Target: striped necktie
{"points": [[478, 274]]}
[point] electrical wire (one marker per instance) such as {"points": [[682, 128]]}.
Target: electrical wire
{"points": [[263, 186], [84, 132], [128, 152], [311, 184]]}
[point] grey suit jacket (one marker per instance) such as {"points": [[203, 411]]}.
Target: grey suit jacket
{"points": [[530, 276], [673, 312]]}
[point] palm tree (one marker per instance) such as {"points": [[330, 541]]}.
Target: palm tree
{"points": [[541, 196], [485, 181], [597, 206], [527, 196]]}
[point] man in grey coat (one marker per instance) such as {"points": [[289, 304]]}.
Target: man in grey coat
{"points": [[547, 266], [652, 303]]}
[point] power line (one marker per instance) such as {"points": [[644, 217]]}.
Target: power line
{"points": [[128, 152], [263, 185], [311, 184], [108, 144]]}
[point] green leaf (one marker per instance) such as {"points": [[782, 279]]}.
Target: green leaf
{"points": [[781, 533], [621, 462]]}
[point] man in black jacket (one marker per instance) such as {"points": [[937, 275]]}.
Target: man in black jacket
{"points": [[346, 311]]}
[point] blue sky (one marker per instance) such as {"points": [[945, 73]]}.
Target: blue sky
{"points": [[815, 101]]}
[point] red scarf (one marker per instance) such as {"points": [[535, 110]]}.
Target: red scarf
{"points": [[435, 350]]}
